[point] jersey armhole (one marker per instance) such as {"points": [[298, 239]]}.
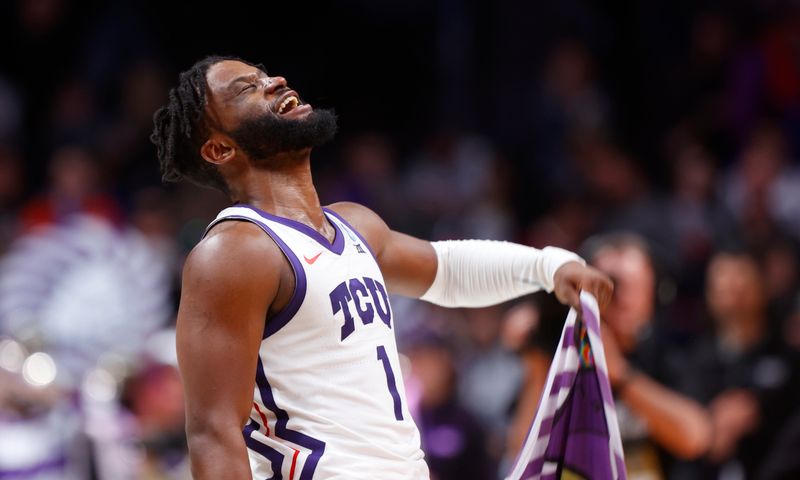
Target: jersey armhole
{"points": [[284, 315]]}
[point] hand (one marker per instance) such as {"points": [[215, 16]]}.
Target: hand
{"points": [[572, 277], [734, 413]]}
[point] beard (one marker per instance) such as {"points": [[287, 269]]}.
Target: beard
{"points": [[267, 135]]}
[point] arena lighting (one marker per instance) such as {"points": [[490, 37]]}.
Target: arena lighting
{"points": [[12, 355], [117, 365], [100, 385], [39, 369]]}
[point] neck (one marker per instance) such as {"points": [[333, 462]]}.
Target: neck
{"points": [[285, 189], [744, 332]]}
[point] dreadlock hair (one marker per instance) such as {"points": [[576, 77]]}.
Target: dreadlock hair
{"points": [[180, 128]]}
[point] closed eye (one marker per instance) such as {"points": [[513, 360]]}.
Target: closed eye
{"points": [[247, 87]]}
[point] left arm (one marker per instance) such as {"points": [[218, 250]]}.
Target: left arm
{"points": [[474, 272]]}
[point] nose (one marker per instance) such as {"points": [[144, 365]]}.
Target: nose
{"points": [[274, 84]]}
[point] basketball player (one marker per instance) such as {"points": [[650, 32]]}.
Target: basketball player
{"points": [[285, 334]]}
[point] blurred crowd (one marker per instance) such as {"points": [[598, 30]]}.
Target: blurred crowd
{"points": [[661, 143]]}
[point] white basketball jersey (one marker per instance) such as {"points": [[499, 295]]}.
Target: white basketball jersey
{"points": [[329, 401]]}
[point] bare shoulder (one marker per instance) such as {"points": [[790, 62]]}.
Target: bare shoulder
{"points": [[366, 222], [228, 251], [408, 264], [355, 213]]}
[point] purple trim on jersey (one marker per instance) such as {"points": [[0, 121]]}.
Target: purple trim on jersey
{"points": [[300, 283], [317, 447], [275, 457], [347, 224], [337, 246]]}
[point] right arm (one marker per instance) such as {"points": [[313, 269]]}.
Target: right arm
{"points": [[676, 422], [224, 301], [536, 364]]}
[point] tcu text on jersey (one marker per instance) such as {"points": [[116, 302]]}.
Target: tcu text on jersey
{"points": [[368, 296]]}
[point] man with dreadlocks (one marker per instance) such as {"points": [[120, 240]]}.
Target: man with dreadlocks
{"points": [[285, 333]]}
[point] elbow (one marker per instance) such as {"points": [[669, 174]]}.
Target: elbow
{"points": [[204, 437], [217, 453], [198, 439]]}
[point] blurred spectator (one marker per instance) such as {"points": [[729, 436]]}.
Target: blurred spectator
{"points": [[682, 228], [141, 91], [490, 376], [74, 189], [569, 102], [780, 262], [369, 176], [763, 188], [566, 225], [455, 190], [612, 178], [73, 115], [12, 183], [155, 397], [691, 222], [656, 422], [781, 461], [153, 216], [699, 221], [453, 441], [743, 371]]}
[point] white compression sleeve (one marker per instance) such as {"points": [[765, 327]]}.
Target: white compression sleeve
{"points": [[478, 273]]}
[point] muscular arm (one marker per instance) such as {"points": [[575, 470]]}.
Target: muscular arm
{"points": [[674, 421], [477, 273], [224, 300], [677, 423]]}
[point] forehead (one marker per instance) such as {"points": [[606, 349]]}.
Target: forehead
{"points": [[222, 74], [625, 263], [728, 264]]}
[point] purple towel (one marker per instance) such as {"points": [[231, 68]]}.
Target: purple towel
{"points": [[575, 434]]}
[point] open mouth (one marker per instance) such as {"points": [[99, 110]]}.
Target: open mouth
{"points": [[288, 104]]}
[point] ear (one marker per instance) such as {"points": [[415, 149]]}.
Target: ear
{"points": [[218, 149]]}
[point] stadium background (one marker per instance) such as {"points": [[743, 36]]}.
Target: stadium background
{"points": [[544, 123]]}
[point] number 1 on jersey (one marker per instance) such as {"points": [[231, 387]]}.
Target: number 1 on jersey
{"points": [[390, 382]]}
